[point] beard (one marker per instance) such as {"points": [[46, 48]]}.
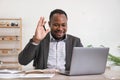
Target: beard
{"points": [[58, 35]]}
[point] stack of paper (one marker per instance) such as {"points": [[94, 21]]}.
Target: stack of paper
{"points": [[25, 74], [37, 76]]}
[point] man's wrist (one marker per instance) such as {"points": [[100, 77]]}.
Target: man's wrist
{"points": [[35, 41]]}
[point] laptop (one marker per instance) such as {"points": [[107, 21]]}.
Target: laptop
{"points": [[87, 61]]}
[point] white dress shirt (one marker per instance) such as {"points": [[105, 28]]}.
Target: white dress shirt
{"points": [[56, 57]]}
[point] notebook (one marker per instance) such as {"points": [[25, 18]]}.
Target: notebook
{"points": [[87, 61]]}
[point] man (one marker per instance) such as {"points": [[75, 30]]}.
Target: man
{"points": [[51, 49]]}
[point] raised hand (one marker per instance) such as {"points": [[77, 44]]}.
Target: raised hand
{"points": [[40, 32]]}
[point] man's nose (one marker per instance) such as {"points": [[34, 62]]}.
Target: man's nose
{"points": [[60, 27]]}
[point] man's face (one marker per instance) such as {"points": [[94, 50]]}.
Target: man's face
{"points": [[58, 25]]}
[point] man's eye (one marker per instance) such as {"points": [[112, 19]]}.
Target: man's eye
{"points": [[63, 25], [55, 25]]}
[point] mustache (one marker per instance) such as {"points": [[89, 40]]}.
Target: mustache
{"points": [[59, 31]]}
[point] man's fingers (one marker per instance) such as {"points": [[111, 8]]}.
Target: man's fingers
{"points": [[48, 30], [41, 22]]}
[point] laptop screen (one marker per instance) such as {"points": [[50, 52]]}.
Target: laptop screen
{"points": [[88, 60]]}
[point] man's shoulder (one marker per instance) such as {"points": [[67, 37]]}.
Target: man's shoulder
{"points": [[72, 36]]}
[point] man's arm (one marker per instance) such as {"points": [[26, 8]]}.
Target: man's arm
{"points": [[28, 53]]}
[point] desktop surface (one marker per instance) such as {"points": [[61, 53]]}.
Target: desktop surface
{"points": [[106, 76]]}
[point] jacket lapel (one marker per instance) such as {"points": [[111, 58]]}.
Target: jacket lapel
{"points": [[68, 52], [46, 50]]}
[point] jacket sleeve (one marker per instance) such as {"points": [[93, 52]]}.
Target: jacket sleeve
{"points": [[28, 53]]}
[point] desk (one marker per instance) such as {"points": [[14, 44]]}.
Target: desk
{"points": [[106, 76]]}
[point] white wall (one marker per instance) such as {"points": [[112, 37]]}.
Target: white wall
{"points": [[96, 22]]}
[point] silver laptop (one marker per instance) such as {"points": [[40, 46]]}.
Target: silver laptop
{"points": [[86, 61]]}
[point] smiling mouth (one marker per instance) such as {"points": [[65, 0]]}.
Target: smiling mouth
{"points": [[59, 33]]}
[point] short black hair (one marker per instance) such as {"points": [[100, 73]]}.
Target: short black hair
{"points": [[59, 11]]}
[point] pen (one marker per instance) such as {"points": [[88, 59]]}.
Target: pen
{"points": [[44, 27]]}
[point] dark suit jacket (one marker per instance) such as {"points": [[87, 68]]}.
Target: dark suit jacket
{"points": [[39, 53]]}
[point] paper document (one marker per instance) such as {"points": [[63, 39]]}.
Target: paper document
{"points": [[6, 71], [11, 75], [25, 74], [37, 76]]}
